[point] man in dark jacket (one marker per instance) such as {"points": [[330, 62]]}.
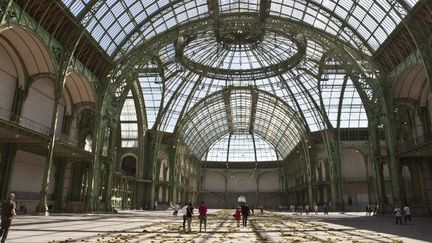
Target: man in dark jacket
{"points": [[245, 213], [7, 213]]}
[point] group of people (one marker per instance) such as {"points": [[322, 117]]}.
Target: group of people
{"points": [[188, 213], [370, 211], [300, 209], [242, 212], [406, 213]]}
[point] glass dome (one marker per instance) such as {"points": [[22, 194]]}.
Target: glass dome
{"points": [[241, 54]]}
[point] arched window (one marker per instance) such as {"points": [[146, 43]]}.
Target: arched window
{"points": [[128, 165]]}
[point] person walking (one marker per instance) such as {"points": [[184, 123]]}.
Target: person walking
{"points": [[407, 214], [245, 213], [398, 215], [202, 209], [237, 215], [184, 212], [8, 211], [189, 215]]}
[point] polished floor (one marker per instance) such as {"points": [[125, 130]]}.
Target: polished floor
{"points": [[161, 226]]}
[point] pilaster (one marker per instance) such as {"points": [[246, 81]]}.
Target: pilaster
{"points": [[7, 159]]}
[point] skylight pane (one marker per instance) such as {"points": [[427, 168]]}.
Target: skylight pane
{"points": [[152, 91]]}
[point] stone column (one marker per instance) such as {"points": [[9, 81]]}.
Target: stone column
{"points": [[8, 154], [427, 181], [61, 165], [393, 162], [42, 207], [378, 174]]}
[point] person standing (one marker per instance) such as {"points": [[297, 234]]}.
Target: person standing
{"points": [[325, 209], [245, 213], [316, 209], [300, 209], [398, 215], [189, 215], [202, 209], [237, 215], [176, 209], [407, 214], [8, 211]]}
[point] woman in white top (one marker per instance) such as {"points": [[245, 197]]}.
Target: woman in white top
{"points": [[398, 215], [407, 214]]}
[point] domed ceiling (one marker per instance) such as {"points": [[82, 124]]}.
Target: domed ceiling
{"points": [[312, 55]]}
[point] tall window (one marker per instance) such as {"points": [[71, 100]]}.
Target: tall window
{"points": [[129, 123]]}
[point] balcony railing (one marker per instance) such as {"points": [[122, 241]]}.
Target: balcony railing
{"points": [[416, 142], [34, 126], [66, 139], [25, 122]]}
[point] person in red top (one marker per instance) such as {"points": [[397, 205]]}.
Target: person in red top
{"points": [[202, 209], [237, 215]]}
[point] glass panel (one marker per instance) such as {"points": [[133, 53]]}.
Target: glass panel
{"points": [[151, 85]]}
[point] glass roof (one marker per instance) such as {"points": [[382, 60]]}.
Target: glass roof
{"points": [[238, 56], [241, 147], [301, 87], [241, 111], [200, 49], [119, 25]]}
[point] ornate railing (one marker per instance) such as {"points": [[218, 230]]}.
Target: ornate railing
{"points": [[34, 126], [24, 122]]}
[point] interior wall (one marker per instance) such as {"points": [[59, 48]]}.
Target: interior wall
{"points": [[240, 181], [269, 182], [39, 104], [353, 164], [355, 188], [8, 81], [28, 171], [214, 182]]}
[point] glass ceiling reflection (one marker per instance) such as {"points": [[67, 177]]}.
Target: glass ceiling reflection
{"points": [[119, 25]]}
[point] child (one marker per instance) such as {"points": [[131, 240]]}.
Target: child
{"points": [[237, 215]]}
